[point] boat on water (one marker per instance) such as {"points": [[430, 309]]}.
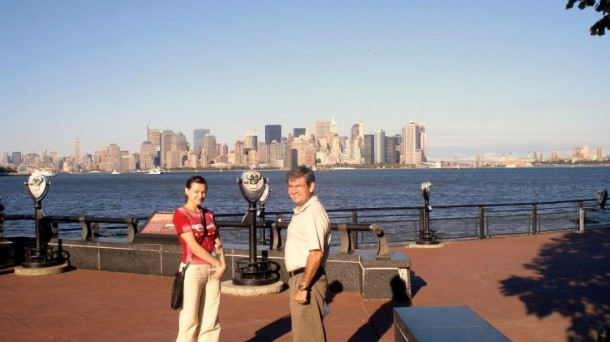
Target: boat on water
{"points": [[156, 171], [115, 172], [44, 172]]}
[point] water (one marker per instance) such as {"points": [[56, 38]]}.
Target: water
{"points": [[139, 195]]}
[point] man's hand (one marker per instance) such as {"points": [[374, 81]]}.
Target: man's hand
{"points": [[301, 297]]}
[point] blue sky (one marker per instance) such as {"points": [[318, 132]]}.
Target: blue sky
{"points": [[502, 77]]}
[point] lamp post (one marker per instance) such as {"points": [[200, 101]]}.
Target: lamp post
{"points": [[426, 237]]}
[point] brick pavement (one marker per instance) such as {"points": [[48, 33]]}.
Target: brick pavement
{"points": [[550, 287]]}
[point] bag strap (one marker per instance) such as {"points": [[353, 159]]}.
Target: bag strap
{"points": [[188, 263], [205, 229]]}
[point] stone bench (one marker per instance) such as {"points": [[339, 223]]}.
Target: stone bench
{"points": [[445, 323]]}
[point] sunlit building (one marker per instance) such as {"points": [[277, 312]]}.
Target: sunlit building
{"points": [[380, 153], [414, 143]]}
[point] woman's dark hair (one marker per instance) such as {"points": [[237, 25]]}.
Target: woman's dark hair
{"points": [[194, 179], [301, 171]]}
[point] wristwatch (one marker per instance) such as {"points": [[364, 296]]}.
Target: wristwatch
{"points": [[303, 288]]}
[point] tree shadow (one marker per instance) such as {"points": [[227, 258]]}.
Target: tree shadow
{"points": [[383, 318], [572, 279]]}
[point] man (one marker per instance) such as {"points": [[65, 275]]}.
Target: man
{"points": [[306, 252]]}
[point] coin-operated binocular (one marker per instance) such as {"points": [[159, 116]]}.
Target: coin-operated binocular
{"points": [[426, 236], [40, 255], [602, 197], [252, 271]]}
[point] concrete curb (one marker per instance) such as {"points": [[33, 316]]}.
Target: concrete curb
{"points": [[34, 271], [227, 287]]}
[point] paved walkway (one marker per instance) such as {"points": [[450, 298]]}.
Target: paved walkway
{"points": [[552, 287]]}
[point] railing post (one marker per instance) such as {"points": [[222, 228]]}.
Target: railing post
{"points": [[346, 245], [383, 248], [1, 219], [534, 218], [481, 222], [86, 232], [276, 237], [355, 233], [582, 216], [132, 228], [421, 223]]}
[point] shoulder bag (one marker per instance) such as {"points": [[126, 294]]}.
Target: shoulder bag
{"points": [[178, 287]]}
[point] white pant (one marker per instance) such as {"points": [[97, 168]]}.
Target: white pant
{"points": [[199, 315]]}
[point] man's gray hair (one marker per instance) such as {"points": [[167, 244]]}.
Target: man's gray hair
{"points": [[301, 171]]}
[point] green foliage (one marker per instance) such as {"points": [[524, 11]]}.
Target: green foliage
{"points": [[603, 7], [6, 169]]}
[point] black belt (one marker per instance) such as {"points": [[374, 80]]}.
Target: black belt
{"points": [[302, 269]]}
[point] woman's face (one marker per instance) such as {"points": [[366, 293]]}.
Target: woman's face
{"points": [[195, 195]]}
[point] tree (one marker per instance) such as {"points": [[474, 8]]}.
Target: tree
{"points": [[603, 7]]}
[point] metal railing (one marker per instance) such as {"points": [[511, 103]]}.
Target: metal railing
{"points": [[362, 226]]}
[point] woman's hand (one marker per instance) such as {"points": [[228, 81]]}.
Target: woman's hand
{"points": [[218, 272]]}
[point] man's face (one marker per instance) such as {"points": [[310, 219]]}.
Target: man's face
{"points": [[299, 191]]}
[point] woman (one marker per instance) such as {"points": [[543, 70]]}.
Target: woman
{"points": [[201, 245]]}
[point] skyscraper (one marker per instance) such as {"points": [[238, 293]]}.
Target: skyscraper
{"points": [[209, 148], [368, 149], [154, 136], [198, 135], [390, 150], [251, 141], [273, 132], [323, 134], [16, 158], [77, 151], [380, 154], [358, 130], [297, 132], [147, 156], [166, 146], [414, 143]]}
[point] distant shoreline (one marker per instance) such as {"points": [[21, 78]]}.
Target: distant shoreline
{"points": [[339, 168]]}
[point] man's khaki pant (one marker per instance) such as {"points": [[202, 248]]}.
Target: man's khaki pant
{"points": [[307, 318], [199, 315]]}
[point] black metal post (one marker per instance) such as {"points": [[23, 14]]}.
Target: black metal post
{"points": [[252, 211], [37, 214], [1, 219], [354, 233], [428, 237], [534, 219], [262, 240], [41, 255], [481, 222]]}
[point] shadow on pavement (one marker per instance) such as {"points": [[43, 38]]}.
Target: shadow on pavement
{"points": [[383, 318], [572, 279], [272, 331], [282, 326]]}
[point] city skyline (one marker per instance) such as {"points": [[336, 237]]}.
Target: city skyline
{"points": [[485, 77], [201, 132], [321, 146]]}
